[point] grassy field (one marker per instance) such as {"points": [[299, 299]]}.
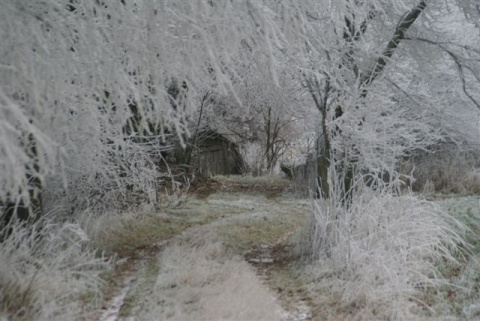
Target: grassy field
{"points": [[225, 225], [461, 297], [232, 249], [187, 257]]}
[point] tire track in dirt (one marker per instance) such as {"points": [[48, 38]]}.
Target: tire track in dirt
{"points": [[200, 293]]}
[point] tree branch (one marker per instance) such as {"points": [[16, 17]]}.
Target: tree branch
{"points": [[462, 78], [459, 65], [399, 35]]}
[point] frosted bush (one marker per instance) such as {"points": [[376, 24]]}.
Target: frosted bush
{"points": [[383, 250]]}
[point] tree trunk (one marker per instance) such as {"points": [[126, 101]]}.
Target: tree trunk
{"points": [[323, 164]]}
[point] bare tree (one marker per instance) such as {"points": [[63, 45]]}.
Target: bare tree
{"points": [[355, 54], [267, 116]]}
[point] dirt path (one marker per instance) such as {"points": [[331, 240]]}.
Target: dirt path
{"points": [[213, 271], [226, 254]]}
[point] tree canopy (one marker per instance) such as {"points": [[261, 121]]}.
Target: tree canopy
{"points": [[387, 77]]}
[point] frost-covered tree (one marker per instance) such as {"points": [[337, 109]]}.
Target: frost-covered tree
{"points": [[389, 78], [74, 74], [263, 118], [84, 81], [90, 90], [365, 62]]}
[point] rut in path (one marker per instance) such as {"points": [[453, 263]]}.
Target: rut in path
{"points": [[200, 275]]}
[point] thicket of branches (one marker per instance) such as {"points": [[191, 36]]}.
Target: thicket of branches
{"points": [[87, 86], [86, 92]]}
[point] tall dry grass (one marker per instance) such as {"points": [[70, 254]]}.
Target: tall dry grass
{"points": [[48, 271], [445, 170], [377, 256]]}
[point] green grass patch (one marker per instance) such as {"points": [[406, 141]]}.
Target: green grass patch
{"points": [[261, 229], [242, 236], [127, 234], [123, 234]]}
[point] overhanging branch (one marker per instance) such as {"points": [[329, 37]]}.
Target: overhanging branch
{"points": [[399, 35], [459, 65]]}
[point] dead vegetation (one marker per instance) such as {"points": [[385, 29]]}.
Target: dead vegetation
{"points": [[232, 253], [207, 275], [238, 220]]}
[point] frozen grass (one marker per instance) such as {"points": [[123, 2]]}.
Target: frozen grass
{"points": [[48, 272], [199, 280], [375, 260], [122, 233], [267, 181], [461, 299], [132, 234], [264, 227], [258, 220], [201, 273], [52, 271], [385, 258]]}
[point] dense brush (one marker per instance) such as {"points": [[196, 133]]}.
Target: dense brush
{"points": [[45, 271]]}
